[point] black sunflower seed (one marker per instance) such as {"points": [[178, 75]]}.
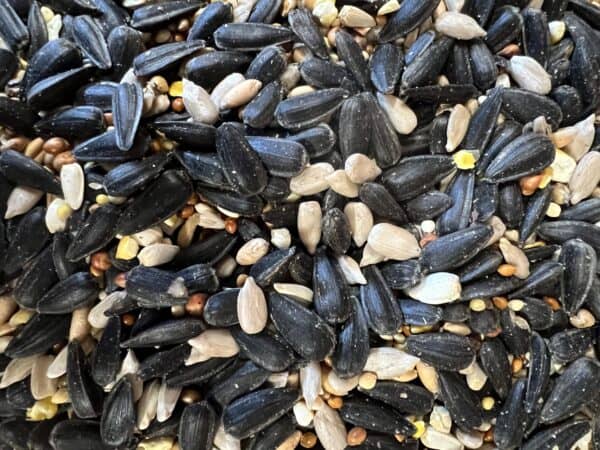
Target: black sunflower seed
{"points": [[255, 411], [303, 329], [118, 414], [445, 351], [197, 427], [76, 291], [127, 110]]}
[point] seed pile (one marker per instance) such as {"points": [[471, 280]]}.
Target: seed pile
{"points": [[280, 224]]}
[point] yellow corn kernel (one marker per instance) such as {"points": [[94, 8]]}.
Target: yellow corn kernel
{"points": [[64, 211], [21, 317], [464, 160], [102, 199], [546, 177], [127, 248], [176, 89], [477, 305], [487, 403], [420, 427], [60, 397], [42, 410]]}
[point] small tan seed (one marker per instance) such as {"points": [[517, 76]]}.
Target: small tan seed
{"points": [[252, 251], [240, 94], [459, 26]]}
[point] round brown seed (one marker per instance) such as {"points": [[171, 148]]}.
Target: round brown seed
{"points": [[308, 440], [356, 436]]}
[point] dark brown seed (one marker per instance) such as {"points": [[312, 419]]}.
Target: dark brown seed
{"points": [[524, 156], [494, 362], [352, 349], [511, 421]]}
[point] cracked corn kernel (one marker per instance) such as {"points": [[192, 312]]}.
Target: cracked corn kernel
{"points": [[127, 248], [477, 304], [42, 410], [102, 199], [420, 427], [464, 160], [487, 403]]}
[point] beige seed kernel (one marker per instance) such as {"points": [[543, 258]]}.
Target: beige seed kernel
{"points": [[529, 74], [341, 184], [515, 256], [458, 26], [354, 17], [583, 139], [388, 7], [402, 118], [252, 251], [351, 270], [281, 238], [360, 220], [585, 177], [361, 169], [127, 249], [296, 291], [477, 305], [458, 124], [240, 94], [326, 12], [583, 319], [224, 86], [252, 309], [312, 179], [215, 343], [301, 90], [309, 225], [393, 242]]}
